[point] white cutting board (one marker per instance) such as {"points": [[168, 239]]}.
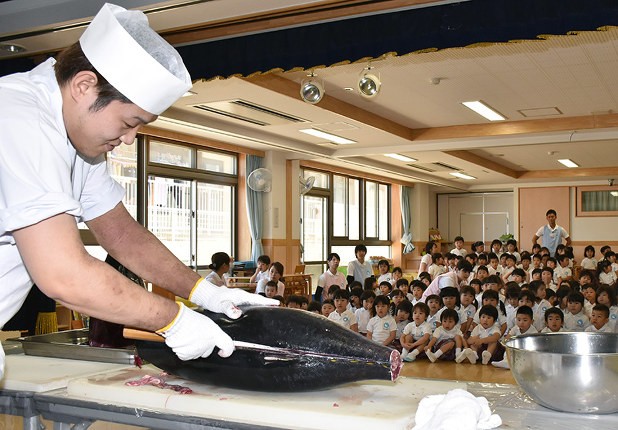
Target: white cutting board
{"points": [[368, 405], [38, 374]]}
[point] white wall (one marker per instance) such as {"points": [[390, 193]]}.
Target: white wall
{"points": [[274, 202]]}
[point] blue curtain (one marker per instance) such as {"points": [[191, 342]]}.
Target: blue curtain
{"points": [[406, 219], [255, 210]]}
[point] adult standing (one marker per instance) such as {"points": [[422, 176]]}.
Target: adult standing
{"points": [[456, 278], [551, 234], [56, 124], [330, 277], [359, 269]]}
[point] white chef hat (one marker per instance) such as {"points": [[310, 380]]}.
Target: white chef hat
{"points": [[133, 58]]}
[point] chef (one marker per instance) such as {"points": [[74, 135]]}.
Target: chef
{"points": [[56, 124]]}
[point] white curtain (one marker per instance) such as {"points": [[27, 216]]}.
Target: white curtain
{"points": [[255, 210], [406, 219]]}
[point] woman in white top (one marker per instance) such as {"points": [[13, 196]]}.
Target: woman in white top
{"points": [[274, 274], [430, 248], [219, 266]]}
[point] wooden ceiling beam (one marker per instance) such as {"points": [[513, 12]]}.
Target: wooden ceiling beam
{"points": [[484, 162], [285, 17]]}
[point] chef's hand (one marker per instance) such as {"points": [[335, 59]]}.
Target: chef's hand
{"points": [[1, 362], [193, 335], [225, 300]]}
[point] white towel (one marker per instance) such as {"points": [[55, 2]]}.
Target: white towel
{"points": [[457, 409]]}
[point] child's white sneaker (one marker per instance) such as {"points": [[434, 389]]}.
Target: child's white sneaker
{"points": [[461, 356], [431, 356], [504, 364], [472, 355], [486, 356], [408, 358]]}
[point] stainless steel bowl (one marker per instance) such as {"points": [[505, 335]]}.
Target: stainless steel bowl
{"points": [[569, 372]]}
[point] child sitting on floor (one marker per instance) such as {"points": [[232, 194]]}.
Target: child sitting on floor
{"points": [[364, 314], [447, 341], [554, 319], [606, 295], [418, 288], [485, 337], [416, 334], [599, 321], [575, 319], [435, 303], [382, 327], [403, 317], [467, 309], [328, 306], [450, 300], [524, 318], [541, 304], [342, 315]]}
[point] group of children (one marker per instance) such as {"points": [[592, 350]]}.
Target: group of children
{"points": [[513, 294]]}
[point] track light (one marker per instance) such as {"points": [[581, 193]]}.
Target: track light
{"points": [[311, 90], [369, 84]]}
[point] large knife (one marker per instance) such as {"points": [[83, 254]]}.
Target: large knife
{"points": [[278, 353]]}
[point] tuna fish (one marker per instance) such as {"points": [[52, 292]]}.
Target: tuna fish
{"points": [[308, 352]]}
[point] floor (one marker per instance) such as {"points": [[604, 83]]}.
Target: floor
{"points": [[457, 372]]}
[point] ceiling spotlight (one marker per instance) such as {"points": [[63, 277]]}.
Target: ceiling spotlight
{"points": [[311, 90], [369, 84]]}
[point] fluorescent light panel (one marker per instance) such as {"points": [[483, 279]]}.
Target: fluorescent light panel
{"points": [[462, 175], [484, 110], [401, 158], [569, 163], [327, 136]]}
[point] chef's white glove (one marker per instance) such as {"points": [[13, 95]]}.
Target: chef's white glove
{"points": [[225, 300], [1, 361], [193, 335]]}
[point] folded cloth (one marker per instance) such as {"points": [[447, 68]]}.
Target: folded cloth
{"points": [[457, 409]]}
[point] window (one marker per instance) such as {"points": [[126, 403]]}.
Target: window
{"points": [[192, 201], [122, 166], [360, 214], [597, 201]]}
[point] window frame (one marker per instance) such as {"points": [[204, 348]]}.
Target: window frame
{"points": [[579, 210]]}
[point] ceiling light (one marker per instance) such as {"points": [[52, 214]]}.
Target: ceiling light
{"points": [[462, 175], [369, 84], [614, 193], [327, 136], [568, 163], [484, 110], [311, 90], [401, 158]]}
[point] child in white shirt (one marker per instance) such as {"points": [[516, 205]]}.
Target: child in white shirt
{"points": [[382, 328], [466, 309], [606, 295], [523, 322], [435, 303], [416, 334], [575, 319], [447, 340], [589, 262], [384, 274], [342, 315], [485, 337], [437, 266], [364, 314], [541, 304], [606, 274], [554, 319], [459, 249], [599, 321]]}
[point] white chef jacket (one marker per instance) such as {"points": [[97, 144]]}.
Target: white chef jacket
{"points": [[41, 175]]}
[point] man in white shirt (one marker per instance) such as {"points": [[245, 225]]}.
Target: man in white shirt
{"points": [[551, 234], [359, 269], [57, 122]]}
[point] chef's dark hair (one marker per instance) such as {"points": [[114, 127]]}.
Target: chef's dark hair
{"points": [[218, 259], [71, 61]]}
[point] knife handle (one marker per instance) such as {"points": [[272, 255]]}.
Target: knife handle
{"points": [[133, 333]]}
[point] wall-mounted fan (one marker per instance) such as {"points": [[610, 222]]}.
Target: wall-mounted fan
{"points": [[260, 180], [306, 184]]}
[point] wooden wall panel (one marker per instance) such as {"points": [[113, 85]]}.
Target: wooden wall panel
{"points": [[534, 203]]}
